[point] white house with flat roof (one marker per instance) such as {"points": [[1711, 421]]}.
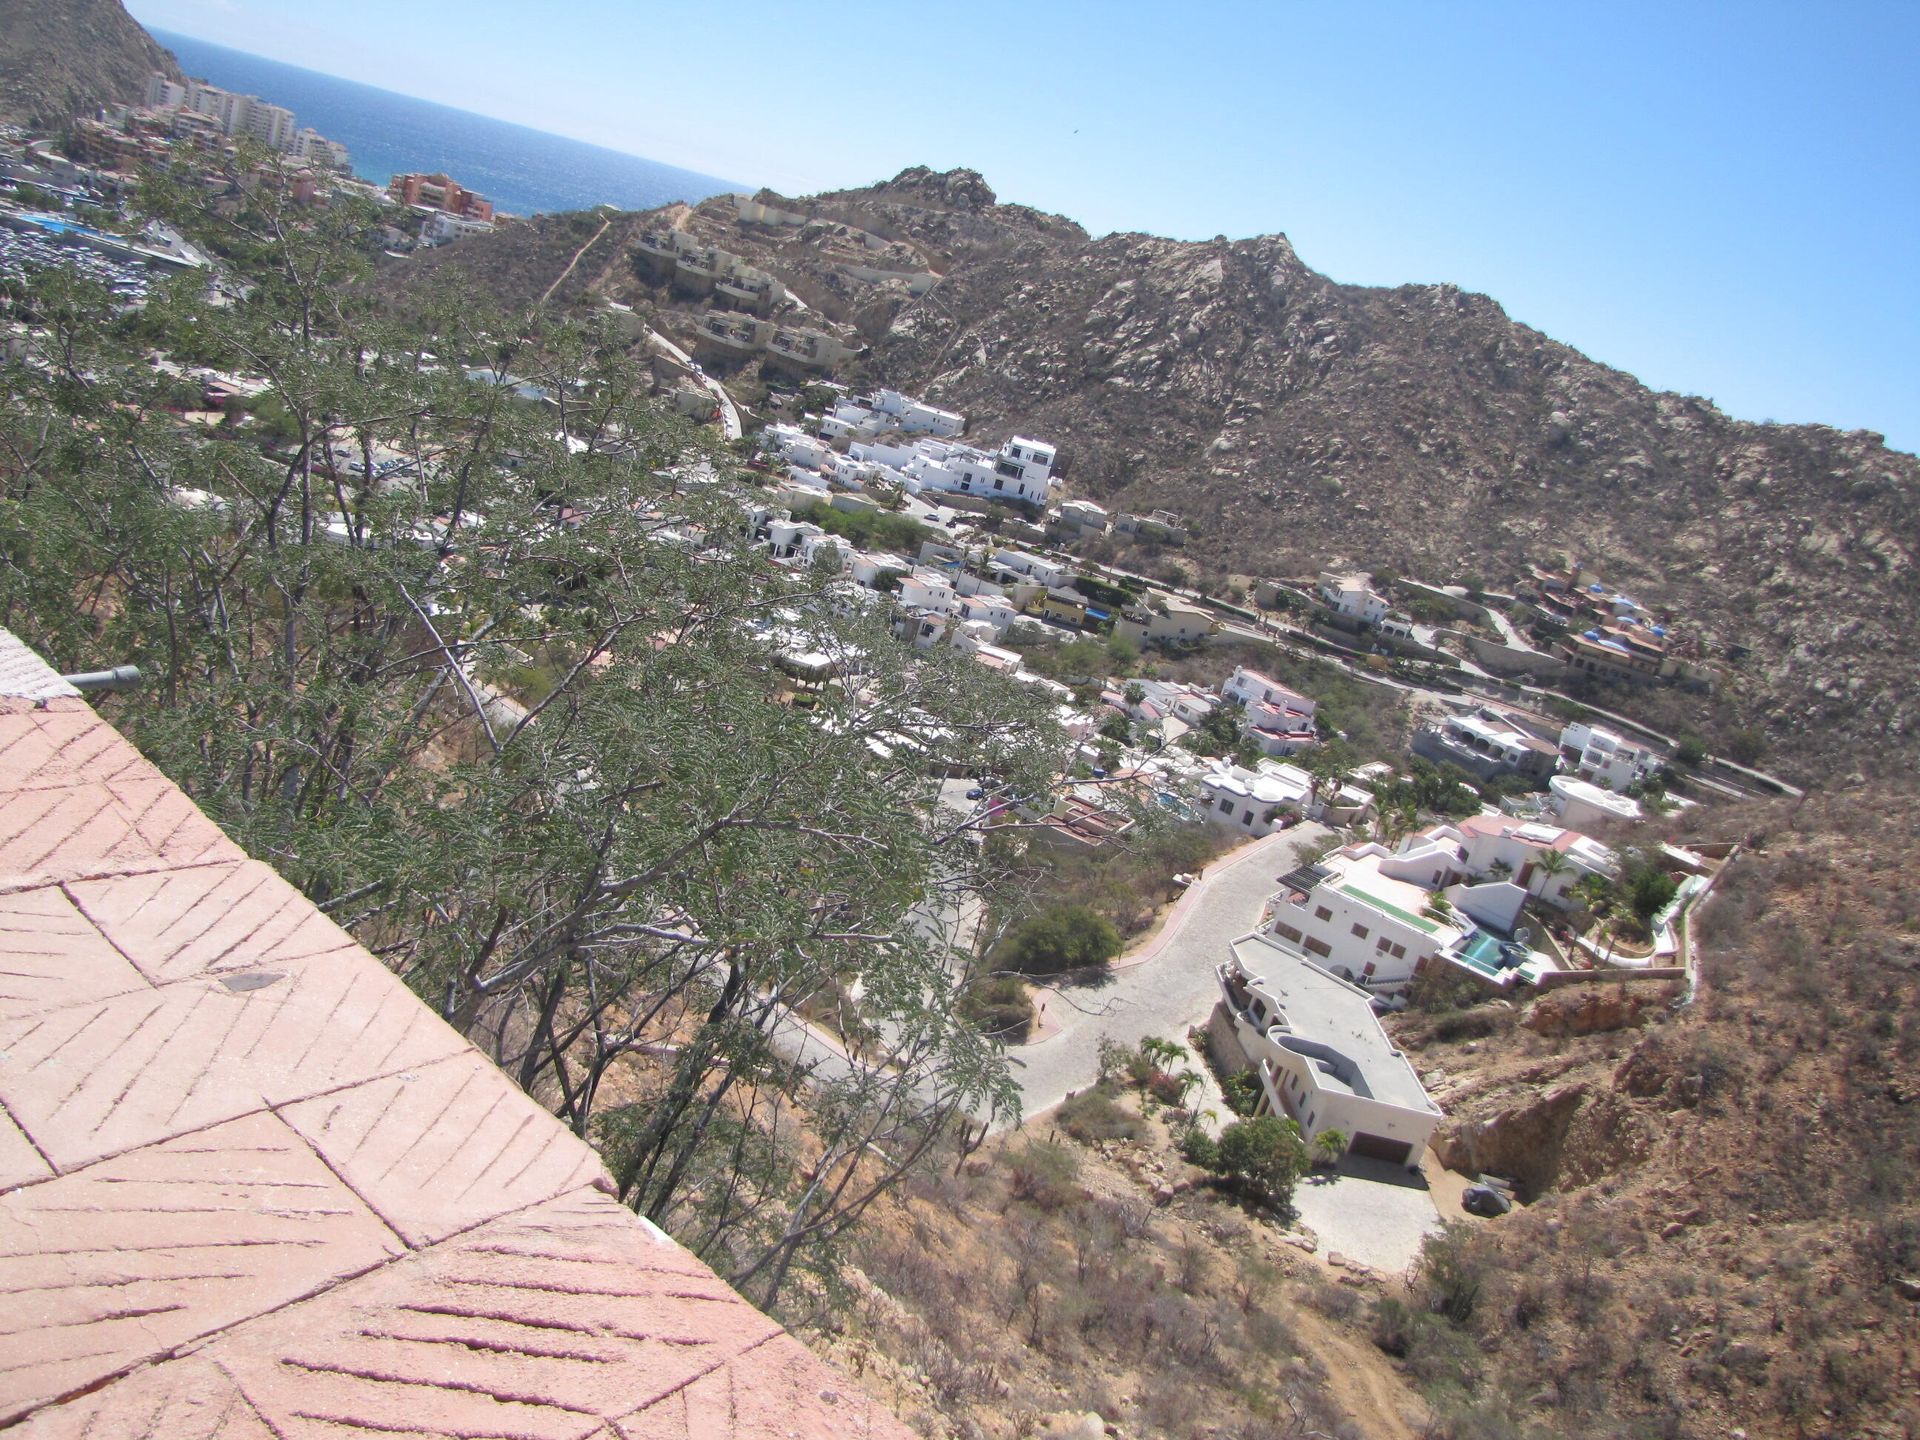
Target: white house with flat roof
{"points": [[1518, 847], [1486, 743], [1379, 917], [1021, 470], [1352, 595], [1581, 803], [1258, 801], [1606, 759], [1037, 568], [1322, 1057]]}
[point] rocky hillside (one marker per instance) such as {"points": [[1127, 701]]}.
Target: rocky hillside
{"points": [[1297, 422], [62, 58], [1723, 1230]]}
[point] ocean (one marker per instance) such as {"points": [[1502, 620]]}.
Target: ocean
{"points": [[523, 171]]}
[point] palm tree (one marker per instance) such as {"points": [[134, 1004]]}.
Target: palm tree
{"points": [[1331, 1145], [1551, 865]]}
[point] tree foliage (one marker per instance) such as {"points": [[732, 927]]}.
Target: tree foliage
{"points": [[1264, 1155], [1059, 939], [469, 641]]}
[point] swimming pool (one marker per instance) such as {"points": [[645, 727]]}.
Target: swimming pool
{"points": [[1482, 952], [55, 225]]}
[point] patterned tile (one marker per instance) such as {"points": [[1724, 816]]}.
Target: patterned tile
{"points": [[95, 1079], [19, 1161], [51, 955], [98, 829], [540, 1325], [444, 1148], [131, 1258], [176, 924], [53, 748], [189, 1399]]}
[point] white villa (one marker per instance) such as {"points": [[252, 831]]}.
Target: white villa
{"points": [[1583, 803], [1604, 758], [1321, 1054], [1278, 719], [885, 410], [1021, 470], [1353, 595], [1273, 795], [1178, 622], [1378, 918], [1486, 743]]}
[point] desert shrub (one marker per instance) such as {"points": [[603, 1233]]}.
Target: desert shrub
{"points": [[1044, 1175], [1199, 1148], [998, 1007], [1393, 1326], [1095, 1115], [1450, 1274]]}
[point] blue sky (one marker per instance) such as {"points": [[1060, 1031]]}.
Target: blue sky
{"points": [[1722, 198]]}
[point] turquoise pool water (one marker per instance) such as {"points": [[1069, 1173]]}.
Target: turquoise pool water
{"points": [[1482, 952], [53, 224]]}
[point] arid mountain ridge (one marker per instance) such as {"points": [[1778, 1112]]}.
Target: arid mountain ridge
{"points": [[64, 58], [1297, 422]]}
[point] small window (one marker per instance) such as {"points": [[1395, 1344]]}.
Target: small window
{"points": [[1366, 969], [1359, 932], [1381, 944], [1287, 932], [1321, 912], [1247, 819], [1399, 952], [1319, 947]]}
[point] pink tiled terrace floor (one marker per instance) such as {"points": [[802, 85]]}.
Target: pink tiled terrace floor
{"points": [[250, 1188]]}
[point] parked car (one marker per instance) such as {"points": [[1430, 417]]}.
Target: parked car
{"points": [[1485, 1201], [975, 793]]}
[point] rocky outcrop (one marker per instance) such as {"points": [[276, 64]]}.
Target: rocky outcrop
{"points": [[1567, 1137], [1591, 1010], [64, 58]]}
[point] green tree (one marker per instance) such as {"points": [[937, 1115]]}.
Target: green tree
{"points": [[1059, 939], [646, 853], [1265, 1156], [1549, 865], [1646, 885]]}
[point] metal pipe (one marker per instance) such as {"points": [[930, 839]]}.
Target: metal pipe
{"points": [[121, 677]]}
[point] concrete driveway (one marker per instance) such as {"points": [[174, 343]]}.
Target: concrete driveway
{"points": [[1167, 984], [1372, 1211]]}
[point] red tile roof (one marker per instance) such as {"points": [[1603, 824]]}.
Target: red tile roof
{"points": [[252, 1189]]}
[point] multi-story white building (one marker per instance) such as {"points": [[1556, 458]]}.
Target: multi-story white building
{"points": [[1378, 917], [1021, 470], [1481, 847], [1605, 758], [1322, 1057], [1486, 743], [1278, 719], [1353, 595], [235, 114], [1037, 568], [1582, 803], [1255, 802]]}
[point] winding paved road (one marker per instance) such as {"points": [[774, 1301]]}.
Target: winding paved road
{"points": [[1165, 986]]}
